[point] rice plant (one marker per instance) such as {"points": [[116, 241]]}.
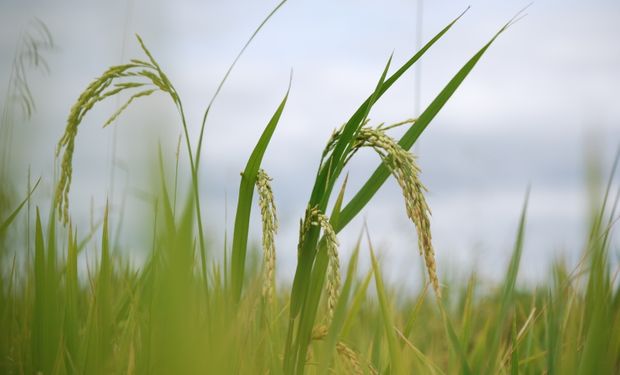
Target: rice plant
{"points": [[183, 312]]}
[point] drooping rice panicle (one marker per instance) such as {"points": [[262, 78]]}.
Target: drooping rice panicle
{"points": [[270, 227], [117, 79], [402, 165]]}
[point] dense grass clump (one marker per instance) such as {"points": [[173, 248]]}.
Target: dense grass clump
{"points": [[184, 312]]}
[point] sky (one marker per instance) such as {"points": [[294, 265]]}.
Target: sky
{"points": [[542, 96]]}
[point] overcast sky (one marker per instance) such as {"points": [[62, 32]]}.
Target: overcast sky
{"points": [[543, 91]]}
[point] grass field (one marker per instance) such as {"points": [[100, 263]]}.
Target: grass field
{"points": [[183, 311]]}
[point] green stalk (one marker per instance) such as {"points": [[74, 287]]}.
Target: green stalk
{"points": [[326, 177], [244, 205]]}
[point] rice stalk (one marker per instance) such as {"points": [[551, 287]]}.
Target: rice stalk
{"points": [[314, 217], [270, 227]]}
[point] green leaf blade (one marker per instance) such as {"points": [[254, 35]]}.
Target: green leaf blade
{"points": [[244, 205]]}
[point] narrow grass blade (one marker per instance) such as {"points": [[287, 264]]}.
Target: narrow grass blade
{"points": [[104, 285], [310, 308], [244, 205], [457, 346], [71, 321], [514, 356], [7, 222], [338, 204], [168, 207], [414, 314], [552, 330], [98, 334], [221, 84], [340, 313], [598, 333], [386, 317], [356, 303], [82, 244], [53, 307], [507, 293], [38, 335]]}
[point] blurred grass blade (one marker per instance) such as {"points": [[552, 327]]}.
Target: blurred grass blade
{"points": [[396, 366], [169, 218], [338, 320], [104, 284], [356, 303], [508, 292], [7, 222], [514, 355], [244, 204], [599, 333], [454, 341], [416, 310], [71, 321], [53, 308], [310, 308], [39, 346]]}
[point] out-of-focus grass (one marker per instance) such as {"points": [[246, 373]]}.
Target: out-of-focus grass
{"points": [[160, 319], [183, 312]]}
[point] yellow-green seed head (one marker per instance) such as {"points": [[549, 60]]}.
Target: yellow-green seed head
{"points": [[270, 227]]}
